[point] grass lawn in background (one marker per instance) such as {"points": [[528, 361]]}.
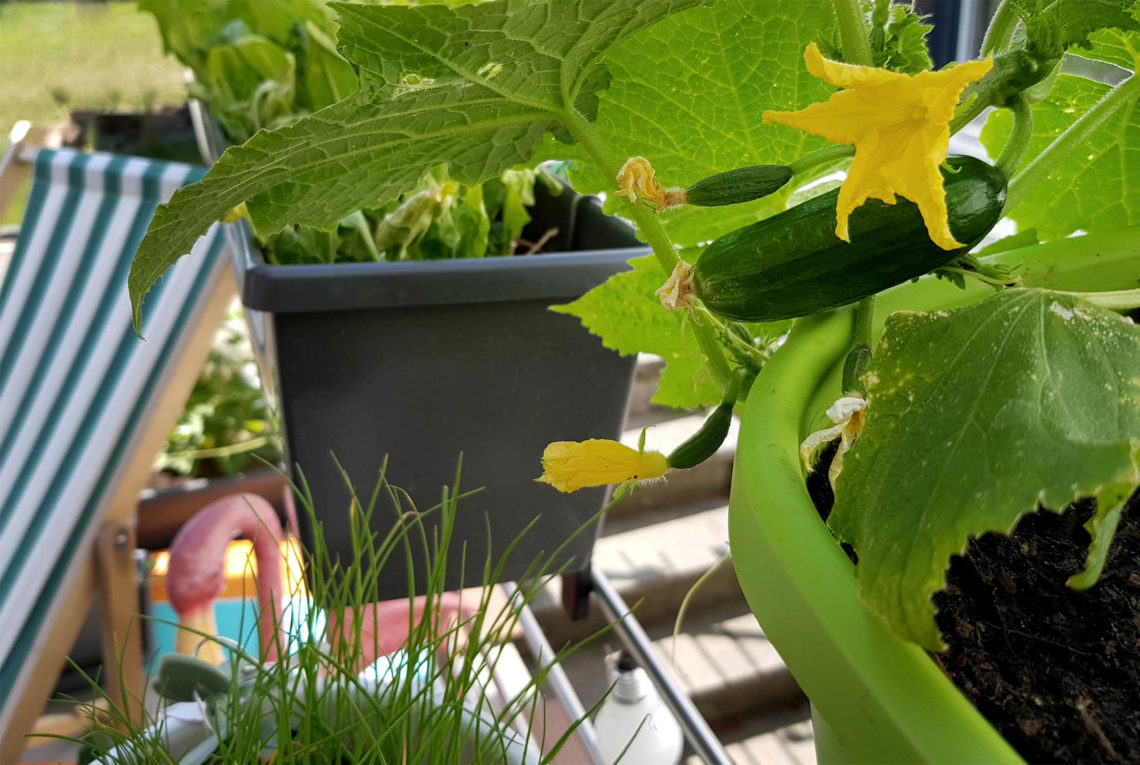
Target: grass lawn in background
{"points": [[56, 56]]}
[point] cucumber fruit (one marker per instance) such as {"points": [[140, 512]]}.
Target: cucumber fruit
{"points": [[741, 185], [793, 264], [703, 444]]}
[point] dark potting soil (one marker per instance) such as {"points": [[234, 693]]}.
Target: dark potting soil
{"points": [[1056, 671]]}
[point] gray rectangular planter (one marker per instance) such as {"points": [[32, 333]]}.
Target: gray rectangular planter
{"points": [[417, 362]]}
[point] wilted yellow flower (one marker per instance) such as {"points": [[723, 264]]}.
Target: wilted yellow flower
{"points": [[637, 177], [847, 414], [572, 465], [677, 291], [899, 125]]}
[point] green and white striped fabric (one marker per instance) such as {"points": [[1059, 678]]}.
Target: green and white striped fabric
{"points": [[76, 384]]}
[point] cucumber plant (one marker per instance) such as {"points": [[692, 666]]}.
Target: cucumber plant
{"points": [[507, 83]]}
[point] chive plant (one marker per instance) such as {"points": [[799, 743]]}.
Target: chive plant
{"points": [[427, 702]]}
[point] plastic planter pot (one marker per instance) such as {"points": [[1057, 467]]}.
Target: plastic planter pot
{"points": [[418, 362]]}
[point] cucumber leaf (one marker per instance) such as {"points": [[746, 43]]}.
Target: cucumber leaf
{"points": [[1054, 26], [688, 95], [1101, 528], [1117, 46], [975, 417], [897, 35], [187, 28], [1095, 187], [478, 85], [626, 314], [904, 47]]}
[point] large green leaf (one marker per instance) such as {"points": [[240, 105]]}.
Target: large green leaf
{"points": [[474, 87], [1097, 186], [191, 28], [1053, 26], [974, 418], [275, 20], [1117, 46], [328, 77], [904, 47], [689, 93], [629, 318], [187, 28]]}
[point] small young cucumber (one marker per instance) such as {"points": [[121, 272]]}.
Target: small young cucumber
{"points": [[793, 264], [704, 443], [741, 185]]}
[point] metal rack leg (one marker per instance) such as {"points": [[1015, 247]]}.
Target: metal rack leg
{"points": [[557, 678], [700, 736]]}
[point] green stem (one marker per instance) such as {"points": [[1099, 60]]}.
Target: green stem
{"points": [[360, 223], [1103, 261], [1018, 138], [1069, 141], [864, 320], [967, 111], [645, 219], [1000, 30], [1116, 300], [654, 233], [713, 351], [806, 169], [825, 156], [859, 354], [852, 32]]}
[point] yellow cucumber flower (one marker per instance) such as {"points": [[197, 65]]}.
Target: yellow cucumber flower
{"points": [[572, 465], [899, 125]]}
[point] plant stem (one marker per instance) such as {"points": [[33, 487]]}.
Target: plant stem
{"points": [[1116, 300], [1073, 137], [646, 219], [1019, 137], [824, 156], [1000, 30], [859, 353], [360, 223], [864, 319], [852, 32], [713, 351], [967, 111], [654, 233]]}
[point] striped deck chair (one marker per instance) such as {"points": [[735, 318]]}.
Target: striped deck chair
{"points": [[84, 408]]}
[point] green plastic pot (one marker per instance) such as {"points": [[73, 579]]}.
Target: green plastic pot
{"points": [[875, 697]]}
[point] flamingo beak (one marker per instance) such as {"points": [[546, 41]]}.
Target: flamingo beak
{"points": [[189, 641]]}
